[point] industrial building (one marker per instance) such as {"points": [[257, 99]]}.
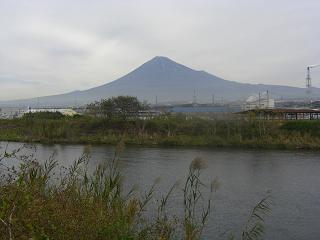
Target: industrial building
{"points": [[259, 101], [63, 111]]}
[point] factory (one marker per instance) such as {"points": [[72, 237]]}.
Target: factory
{"points": [[63, 111], [259, 101]]}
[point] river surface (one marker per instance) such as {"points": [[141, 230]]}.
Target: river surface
{"points": [[244, 175]]}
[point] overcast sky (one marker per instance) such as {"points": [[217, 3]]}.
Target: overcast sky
{"points": [[56, 46]]}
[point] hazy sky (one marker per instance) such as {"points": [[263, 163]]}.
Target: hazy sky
{"points": [[55, 46]]}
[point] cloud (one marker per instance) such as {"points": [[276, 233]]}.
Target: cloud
{"points": [[63, 45]]}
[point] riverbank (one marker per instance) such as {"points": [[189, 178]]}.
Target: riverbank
{"points": [[244, 176], [185, 141], [169, 131]]}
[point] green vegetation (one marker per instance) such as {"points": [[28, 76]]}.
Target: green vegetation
{"points": [[35, 204], [119, 119], [166, 130], [121, 107]]}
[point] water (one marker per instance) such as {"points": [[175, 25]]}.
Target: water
{"points": [[245, 176]]}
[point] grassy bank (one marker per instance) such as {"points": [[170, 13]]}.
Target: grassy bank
{"points": [[46, 202], [163, 131]]}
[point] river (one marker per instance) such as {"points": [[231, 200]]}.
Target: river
{"points": [[244, 175]]}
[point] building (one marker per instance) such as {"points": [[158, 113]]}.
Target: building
{"points": [[205, 109], [63, 111], [259, 101]]}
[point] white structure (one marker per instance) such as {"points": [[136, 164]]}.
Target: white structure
{"points": [[63, 111], [259, 101]]}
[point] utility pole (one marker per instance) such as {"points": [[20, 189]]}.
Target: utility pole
{"points": [[212, 99], [259, 100], [194, 97]]}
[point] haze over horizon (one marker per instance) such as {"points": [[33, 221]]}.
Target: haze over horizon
{"points": [[52, 47]]}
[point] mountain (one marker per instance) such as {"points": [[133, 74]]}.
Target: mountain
{"points": [[169, 82]]}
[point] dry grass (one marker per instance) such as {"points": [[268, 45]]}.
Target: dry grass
{"points": [[35, 203]]}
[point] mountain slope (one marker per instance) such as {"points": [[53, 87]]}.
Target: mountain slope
{"points": [[170, 82]]}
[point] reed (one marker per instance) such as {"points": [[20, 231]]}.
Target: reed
{"points": [[45, 201], [163, 131]]}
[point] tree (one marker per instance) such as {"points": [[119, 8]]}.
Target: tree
{"points": [[123, 107]]}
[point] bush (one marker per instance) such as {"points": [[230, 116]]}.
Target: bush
{"points": [[311, 127], [44, 115]]}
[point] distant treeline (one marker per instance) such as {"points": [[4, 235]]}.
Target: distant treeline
{"points": [[167, 130]]}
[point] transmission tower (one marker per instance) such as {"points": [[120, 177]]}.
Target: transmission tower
{"points": [[308, 79]]}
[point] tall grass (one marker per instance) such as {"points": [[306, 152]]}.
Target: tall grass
{"points": [[164, 130], [45, 201]]}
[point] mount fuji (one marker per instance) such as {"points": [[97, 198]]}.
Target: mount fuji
{"points": [[169, 82]]}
